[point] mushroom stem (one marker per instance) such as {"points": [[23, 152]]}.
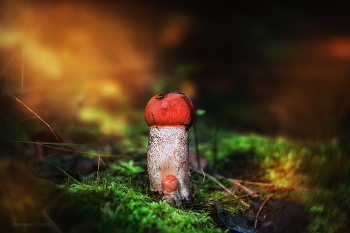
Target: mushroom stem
{"points": [[167, 163]]}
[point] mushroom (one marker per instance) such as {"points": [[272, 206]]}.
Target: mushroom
{"points": [[169, 116]]}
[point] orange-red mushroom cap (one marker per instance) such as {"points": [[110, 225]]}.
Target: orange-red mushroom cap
{"points": [[172, 109]]}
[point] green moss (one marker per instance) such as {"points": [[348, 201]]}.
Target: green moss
{"points": [[124, 168], [111, 206], [311, 165], [123, 208]]}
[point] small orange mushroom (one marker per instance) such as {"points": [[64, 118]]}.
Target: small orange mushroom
{"points": [[169, 117], [169, 184]]}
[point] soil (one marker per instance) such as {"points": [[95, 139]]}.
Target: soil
{"points": [[277, 215]]}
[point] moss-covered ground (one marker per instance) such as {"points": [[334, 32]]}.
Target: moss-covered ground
{"points": [[119, 200]]}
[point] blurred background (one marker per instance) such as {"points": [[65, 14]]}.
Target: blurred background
{"points": [[270, 83], [268, 68]]}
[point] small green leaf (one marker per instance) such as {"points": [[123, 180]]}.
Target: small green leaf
{"points": [[200, 112]]}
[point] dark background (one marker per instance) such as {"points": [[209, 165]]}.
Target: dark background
{"points": [[270, 68]]}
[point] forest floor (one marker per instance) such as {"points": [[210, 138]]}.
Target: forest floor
{"points": [[87, 182]]}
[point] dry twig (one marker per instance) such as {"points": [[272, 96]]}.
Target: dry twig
{"points": [[19, 101], [265, 190], [222, 186], [257, 215], [58, 148], [288, 187], [203, 175]]}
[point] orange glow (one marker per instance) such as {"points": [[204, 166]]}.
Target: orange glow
{"points": [[174, 31], [79, 60], [312, 96], [189, 88], [340, 48]]}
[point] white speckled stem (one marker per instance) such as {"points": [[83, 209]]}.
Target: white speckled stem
{"points": [[167, 154]]}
